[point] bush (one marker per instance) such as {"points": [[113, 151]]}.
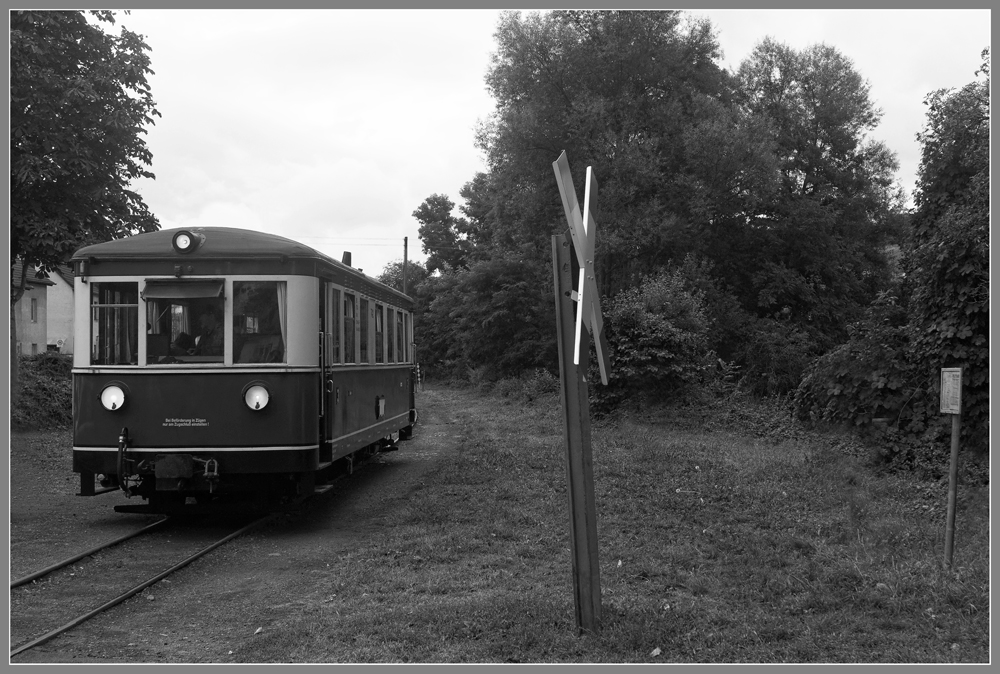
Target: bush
{"points": [[46, 400], [774, 355], [497, 314], [530, 386], [867, 377], [658, 334]]}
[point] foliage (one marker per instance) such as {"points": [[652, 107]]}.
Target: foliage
{"points": [[79, 102], [774, 355], [442, 234], [79, 105], [890, 366], [948, 263], [819, 241], [729, 323], [658, 337], [616, 90], [868, 376], [497, 313], [392, 276], [47, 397], [766, 179]]}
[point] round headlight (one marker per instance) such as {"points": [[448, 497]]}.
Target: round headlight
{"points": [[185, 241], [256, 396], [113, 397]]}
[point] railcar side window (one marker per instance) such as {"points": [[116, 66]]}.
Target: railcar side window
{"points": [[379, 333], [114, 336], [406, 338], [390, 341], [399, 335], [260, 324], [348, 328], [334, 354], [364, 318]]}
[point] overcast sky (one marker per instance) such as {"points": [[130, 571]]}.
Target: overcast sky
{"points": [[332, 126]]}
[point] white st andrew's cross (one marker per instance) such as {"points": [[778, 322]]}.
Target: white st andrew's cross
{"points": [[583, 230]]}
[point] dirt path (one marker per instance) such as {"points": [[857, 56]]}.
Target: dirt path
{"points": [[216, 604]]}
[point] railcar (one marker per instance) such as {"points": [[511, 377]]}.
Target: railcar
{"points": [[220, 364]]}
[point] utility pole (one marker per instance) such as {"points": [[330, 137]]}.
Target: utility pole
{"points": [[404, 264]]}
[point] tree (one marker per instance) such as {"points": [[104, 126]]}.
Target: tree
{"points": [[392, 276], [79, 104], [768, 174], [442, 234], [495, 315], [822, 234], [616, 90]]}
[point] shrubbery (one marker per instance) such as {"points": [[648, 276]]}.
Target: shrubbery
{"points": [[890, 366], [867, 377], [46, 399], [658, 335]]}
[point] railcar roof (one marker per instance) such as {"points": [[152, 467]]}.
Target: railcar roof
{"points": [[220, 242]]}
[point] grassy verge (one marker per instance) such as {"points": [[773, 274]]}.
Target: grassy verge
{"points": [[716, 545]]}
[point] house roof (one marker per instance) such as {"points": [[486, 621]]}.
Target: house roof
{"points": [[37, 278], [65, 273]]}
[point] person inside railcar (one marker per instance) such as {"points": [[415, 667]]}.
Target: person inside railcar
{"points": [[183, 345], [209, 342]]}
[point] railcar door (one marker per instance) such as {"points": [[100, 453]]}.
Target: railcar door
{"points": [[332, 424]]}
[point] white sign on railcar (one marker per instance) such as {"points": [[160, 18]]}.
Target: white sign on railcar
{"points": [[951, 390]]}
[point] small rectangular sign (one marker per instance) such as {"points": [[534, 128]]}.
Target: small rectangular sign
{"points": [[951, 390]]}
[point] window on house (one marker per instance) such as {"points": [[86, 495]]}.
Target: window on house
{"points": [[114, 316], [34, 309]]}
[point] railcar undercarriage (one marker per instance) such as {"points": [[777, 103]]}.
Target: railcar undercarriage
{"points": [[181, 483]]}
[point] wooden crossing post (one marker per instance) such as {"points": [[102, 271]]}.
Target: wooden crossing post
{"points": [[573, 361]]}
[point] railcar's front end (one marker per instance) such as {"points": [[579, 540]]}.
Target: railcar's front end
{"points": [[197, 372]]}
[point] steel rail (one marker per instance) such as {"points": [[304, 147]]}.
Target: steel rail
{"points": [[66, 562], [138, 588]]}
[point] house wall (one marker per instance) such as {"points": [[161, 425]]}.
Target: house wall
{"points": [[31, 332], [60, 314]]}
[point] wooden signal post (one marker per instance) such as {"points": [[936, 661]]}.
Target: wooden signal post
{"points": [[573, 361], [951, 403]]}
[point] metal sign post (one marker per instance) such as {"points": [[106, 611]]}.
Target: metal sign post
{"points": [[951, 403], [573, 361]]}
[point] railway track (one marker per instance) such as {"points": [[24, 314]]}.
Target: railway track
{"points": [[66, 623], [200, 549]]}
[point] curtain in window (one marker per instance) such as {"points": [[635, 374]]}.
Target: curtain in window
{"points": [[282, 296]]}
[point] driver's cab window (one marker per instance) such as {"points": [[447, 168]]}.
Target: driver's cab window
{"points": [[260, 326], [185, 322]]}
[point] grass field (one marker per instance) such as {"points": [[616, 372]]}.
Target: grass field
{"points": [[716, 545]]}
